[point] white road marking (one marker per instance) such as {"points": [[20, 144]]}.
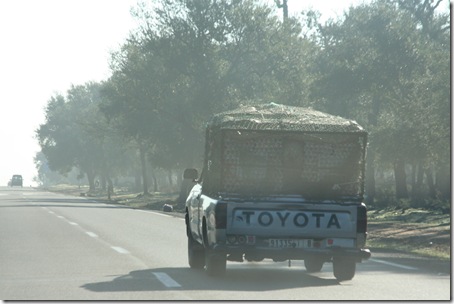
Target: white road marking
{"points": [[161, 214], [144, 211], [62, 217], [120, 250], [72, 223], [51, 212], [92, 234], [166, 279], [393, 264], [153, 212]]}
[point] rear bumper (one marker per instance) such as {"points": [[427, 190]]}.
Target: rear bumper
{"points": [[293, 253]]}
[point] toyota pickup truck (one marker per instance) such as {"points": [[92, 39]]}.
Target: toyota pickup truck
{"points": [[282, 183]]}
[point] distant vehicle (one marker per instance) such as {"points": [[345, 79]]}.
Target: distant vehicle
{"points": [[279, 182], [16, 180]]}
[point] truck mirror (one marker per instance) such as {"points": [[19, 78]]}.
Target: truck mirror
{"points": [[191, 174]]}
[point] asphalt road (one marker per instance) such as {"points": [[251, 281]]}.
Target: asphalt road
{"points": [[55, 247]]}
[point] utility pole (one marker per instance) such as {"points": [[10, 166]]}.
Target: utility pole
{"points": [[284, 7]]}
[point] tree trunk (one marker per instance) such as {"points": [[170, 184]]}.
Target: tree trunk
{"points": [[170, 178], [109, 188], [417, 180], [400, 179], [417, 174], [179, 179], [370, 178], [155, 183], [420, 176], [91, 181], [430, 182], [443, 181], [143, 164], [137, 179], [414, 169], [103, 183]]}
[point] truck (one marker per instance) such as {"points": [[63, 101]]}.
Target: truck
{"points": [[282, 183]]}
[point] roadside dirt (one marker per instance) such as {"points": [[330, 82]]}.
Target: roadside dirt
{"points": [[414, 230]]}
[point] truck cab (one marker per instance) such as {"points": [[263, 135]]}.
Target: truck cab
{"points": [[281, 183]]}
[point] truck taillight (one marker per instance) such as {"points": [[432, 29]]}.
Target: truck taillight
{"points": [[220, 212], [361, 224]]}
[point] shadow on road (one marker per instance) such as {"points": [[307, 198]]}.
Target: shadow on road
{"points": [[259, 278], [234, 280]]}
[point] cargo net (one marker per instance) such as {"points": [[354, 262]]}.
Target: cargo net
{"points": [[321, 166], [274, 116]]}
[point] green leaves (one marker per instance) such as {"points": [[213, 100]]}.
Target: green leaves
{"points": [[384, 64], [377, 65]]}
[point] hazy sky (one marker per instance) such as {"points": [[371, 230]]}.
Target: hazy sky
{"points": [[47, 45]]}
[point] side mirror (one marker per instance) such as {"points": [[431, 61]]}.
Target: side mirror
{"points": [[192, 174]]}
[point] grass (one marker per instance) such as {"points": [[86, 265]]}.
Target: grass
{"points": [[419, 231]]}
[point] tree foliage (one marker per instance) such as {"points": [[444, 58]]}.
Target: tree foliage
{"points": [[383, 63], [76, 135]]}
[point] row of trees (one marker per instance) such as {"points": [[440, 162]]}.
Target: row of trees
{"points": [[384, 64]]}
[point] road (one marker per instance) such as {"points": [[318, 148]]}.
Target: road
{"points": [[56, 247]]}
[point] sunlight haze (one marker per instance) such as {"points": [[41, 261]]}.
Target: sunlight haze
{"points": [[48, 45]]}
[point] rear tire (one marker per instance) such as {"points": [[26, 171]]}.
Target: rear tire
{"points": [[196, 254], [215, 263], [344, 268], [313, 264]]}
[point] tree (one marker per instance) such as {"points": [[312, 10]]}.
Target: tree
{"points": [[213, 55], [131, 99], [375, 66], [73, 133]]}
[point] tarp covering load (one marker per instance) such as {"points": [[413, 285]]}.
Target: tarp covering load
{"points": [[277, 149]]}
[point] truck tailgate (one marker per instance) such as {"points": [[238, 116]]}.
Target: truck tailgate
{"points": [[308, 220]]}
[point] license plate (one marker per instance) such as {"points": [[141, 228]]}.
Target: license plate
{"points": [[287, 243]]}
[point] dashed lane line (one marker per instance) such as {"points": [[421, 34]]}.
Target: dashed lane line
{"points": [[166, 279], [163, 277], [92, 234], [120, 250], [393, 264]]}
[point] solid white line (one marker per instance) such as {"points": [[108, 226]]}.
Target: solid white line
{"points": [[120, 250], [161, 214], [140, 210], [153, 212], [166, 279], [93, 235], [393, 264]]}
